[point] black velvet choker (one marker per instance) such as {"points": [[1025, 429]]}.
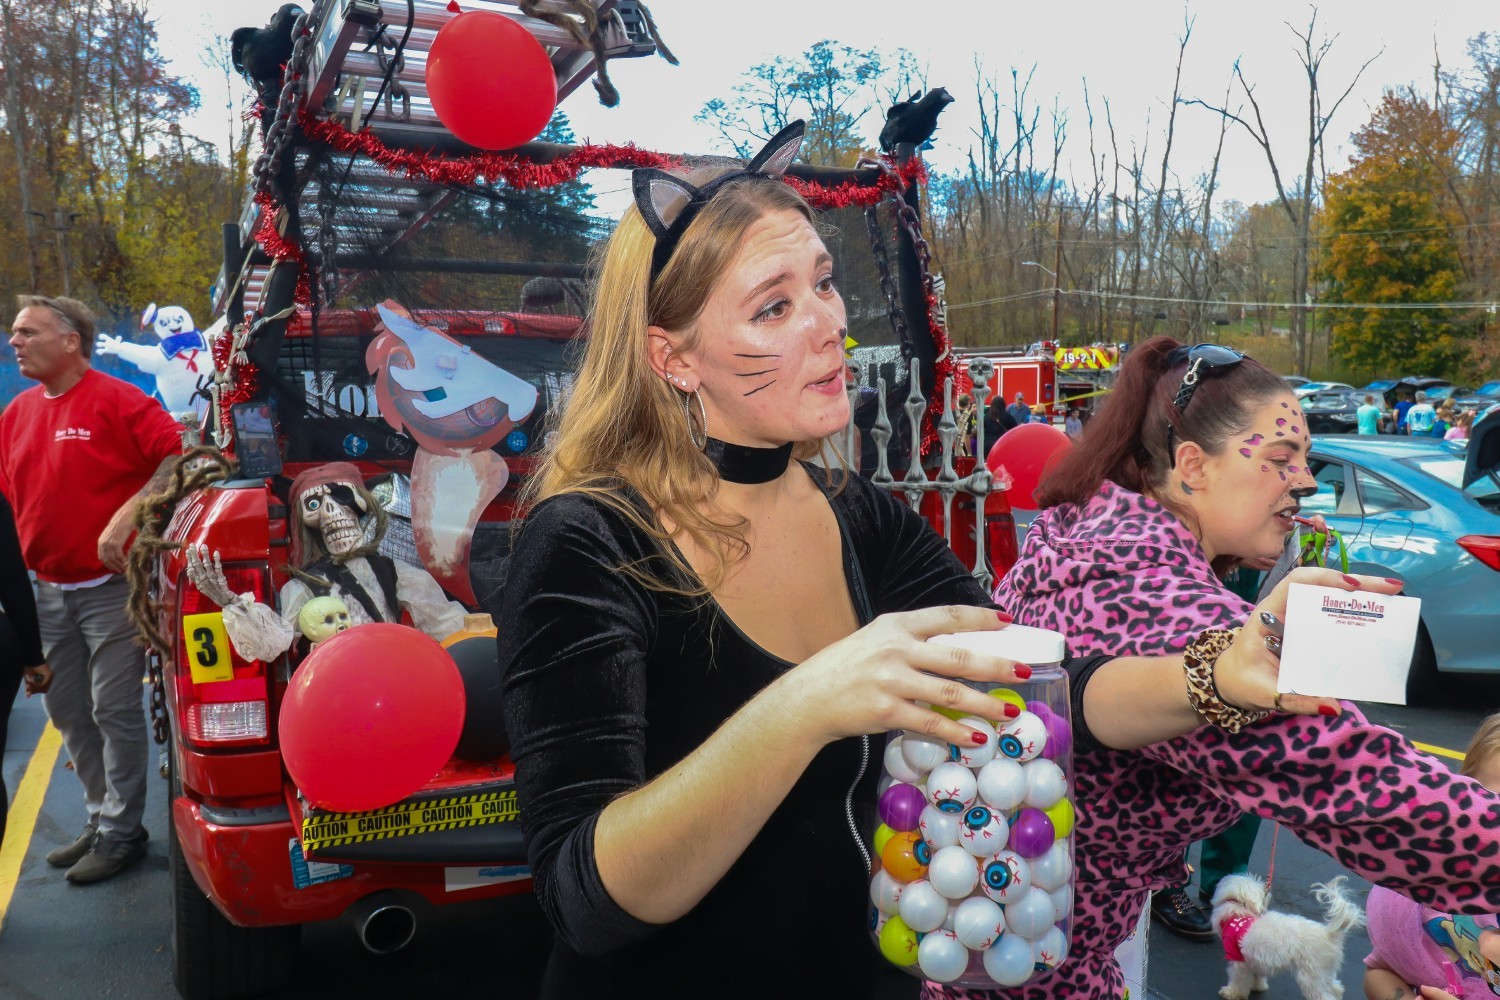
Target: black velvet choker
{"points": [[739, 464]]}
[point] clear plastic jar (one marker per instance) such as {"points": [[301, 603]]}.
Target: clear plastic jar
{"points": [[973, 854]]}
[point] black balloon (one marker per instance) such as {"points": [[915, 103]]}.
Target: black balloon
{"points": [[483, 737]]}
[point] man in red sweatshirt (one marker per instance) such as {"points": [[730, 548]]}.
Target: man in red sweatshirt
{"points": [[76, 452]]}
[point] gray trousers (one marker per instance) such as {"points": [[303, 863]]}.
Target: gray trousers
{"points": [[96, 699]]}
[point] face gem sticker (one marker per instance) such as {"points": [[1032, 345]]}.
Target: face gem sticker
{"points": [[1265, 468]]}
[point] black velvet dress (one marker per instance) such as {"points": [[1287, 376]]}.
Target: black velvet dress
{"points": [[609, 683]]}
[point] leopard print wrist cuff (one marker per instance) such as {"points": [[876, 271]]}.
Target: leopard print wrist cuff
{"points": [[1203, 694]]}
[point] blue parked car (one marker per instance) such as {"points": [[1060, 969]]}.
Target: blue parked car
{"points": [[1427, 512]]}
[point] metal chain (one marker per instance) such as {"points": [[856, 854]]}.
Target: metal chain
{"points": [[158, 697], [293, 89], [887, 285]]}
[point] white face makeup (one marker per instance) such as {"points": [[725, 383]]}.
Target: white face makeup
{"points": [[1255, 484], [769, 361]]}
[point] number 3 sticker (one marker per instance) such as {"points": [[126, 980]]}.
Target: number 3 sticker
{"points": [[207, 648]]}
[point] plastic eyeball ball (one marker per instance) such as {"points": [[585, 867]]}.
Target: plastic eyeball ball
{"points": [[977, 922], [952, 787], [982, 831], [1023, 737], [1008, 961], [1050, 949], [940, 829], [885, 892], [941, 957], [877, 920], [1062, 902], [922, 907], [883, 835], [971, 755], [922, 753], [953, 872], [1052, 870], [905, 857], [1002, 784], [1032, 833], [1031, 915], [1005, 877], [1045, 783], [1007, 695], [898, 943], [896, 765], [1062, 816], [901, 806]]}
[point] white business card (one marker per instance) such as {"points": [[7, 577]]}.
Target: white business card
{"points": [[1347, 644]]}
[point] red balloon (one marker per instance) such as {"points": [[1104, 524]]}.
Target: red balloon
{"points": [[1027, 452], [370, 716], [490, 81]]}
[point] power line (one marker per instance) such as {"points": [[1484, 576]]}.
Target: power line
{"points": [[1278, 305]]}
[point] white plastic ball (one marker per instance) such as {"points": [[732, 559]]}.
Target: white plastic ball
{"points": [[1031, 915], [922, 753], [1062, 902], [978, 922], [1023, 738], [982, 831], [885, 892], [940, 829], [1008, 961], [1002, 784], [1045, 783], [896, 765], [1005, 877], [1053, 869], [941, 957], [952, 787], [1050, 949], [953, 872], [922, 907], [974, 755]]}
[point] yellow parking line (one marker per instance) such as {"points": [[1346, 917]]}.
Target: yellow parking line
{"points": [[23, 813], [1439, 751]]}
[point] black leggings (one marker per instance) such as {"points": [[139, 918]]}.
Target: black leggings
{"points": [[10, 683]]}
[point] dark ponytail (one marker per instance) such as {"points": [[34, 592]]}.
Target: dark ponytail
{"points": [[1126, 441]]}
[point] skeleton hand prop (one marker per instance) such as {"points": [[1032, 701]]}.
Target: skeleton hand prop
{"points": [[207, 574]]}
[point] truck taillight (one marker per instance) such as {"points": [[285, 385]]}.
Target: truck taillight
{"points": [[1485, 548], [222, 698]]}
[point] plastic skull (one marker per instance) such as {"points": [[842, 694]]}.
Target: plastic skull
{"points": [[334, 510], [322, 618]]}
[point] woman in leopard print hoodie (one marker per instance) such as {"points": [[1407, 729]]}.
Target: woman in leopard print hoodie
{"points": [[1181, 478]]}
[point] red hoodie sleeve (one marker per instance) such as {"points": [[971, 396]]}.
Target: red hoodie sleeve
{"points": [[1361, 794]]}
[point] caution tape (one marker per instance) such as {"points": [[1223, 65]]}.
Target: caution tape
{"points": [[405, 819]]}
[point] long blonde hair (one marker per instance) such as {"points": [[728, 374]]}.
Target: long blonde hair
{"points": [[1483, 746], [623, 422]]}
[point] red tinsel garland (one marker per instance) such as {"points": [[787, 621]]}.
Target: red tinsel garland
{"points": [[245, 377], [944, 368]]}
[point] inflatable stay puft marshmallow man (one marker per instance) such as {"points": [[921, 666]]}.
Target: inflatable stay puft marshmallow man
{"points": [[177, 361]]}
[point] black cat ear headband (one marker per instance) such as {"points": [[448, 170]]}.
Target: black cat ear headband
{"points": [[669, 204]]}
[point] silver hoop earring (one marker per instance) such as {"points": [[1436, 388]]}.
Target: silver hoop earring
{"points": [[687, 414]]}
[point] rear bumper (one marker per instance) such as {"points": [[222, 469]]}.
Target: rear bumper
{"points": [[247, 871]]}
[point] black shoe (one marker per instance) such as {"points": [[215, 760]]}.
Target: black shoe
{"points": [[108, 858], [1180, 915], [67, 857]]}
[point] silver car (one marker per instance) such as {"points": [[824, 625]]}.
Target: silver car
{"points": [[1427, 512]]}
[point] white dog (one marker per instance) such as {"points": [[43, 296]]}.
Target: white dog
{"points": [[1260, 943]]}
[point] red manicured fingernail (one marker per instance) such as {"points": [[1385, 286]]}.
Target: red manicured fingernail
{"points": [[1005, 619], [980, 739], [1353, 581], [1023, 672], [1392, 579], [1328, 710], [1011, 711]]}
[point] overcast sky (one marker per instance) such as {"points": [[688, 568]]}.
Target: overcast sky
{"points": [[1125, 50]]}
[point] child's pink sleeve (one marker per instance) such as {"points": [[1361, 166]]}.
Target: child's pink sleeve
{"points": [[1361, 794]]}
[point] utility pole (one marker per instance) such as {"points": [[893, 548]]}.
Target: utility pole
{"points": [[1057, 278]]}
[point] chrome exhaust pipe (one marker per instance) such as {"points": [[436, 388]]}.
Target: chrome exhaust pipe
{"points": [[383, 922]]}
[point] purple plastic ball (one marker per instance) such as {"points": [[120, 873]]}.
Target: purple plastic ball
{"points": [[1059, 736], [901, 807], [1031, 833]]}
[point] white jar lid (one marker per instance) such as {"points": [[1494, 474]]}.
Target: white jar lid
{"points": [[1022, 643]]}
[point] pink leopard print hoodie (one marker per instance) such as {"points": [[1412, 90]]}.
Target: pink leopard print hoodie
{"points": [[1122, 575]]}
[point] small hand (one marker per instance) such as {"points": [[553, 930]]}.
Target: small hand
{"points": [[112, 544], [206, 572], [1246, 672], [105, 344], [1434, 993], [38, 679]]}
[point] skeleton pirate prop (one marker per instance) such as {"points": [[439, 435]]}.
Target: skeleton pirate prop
{"points": [[333, 555]]}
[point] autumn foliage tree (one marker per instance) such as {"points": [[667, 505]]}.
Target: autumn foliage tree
{"points": [[1390, 252]]}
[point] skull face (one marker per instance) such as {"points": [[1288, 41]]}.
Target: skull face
{"points": [[322, 618], [335, 511]]}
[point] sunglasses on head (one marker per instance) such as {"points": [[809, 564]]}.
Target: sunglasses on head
{"points": [[1202, 359]]}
